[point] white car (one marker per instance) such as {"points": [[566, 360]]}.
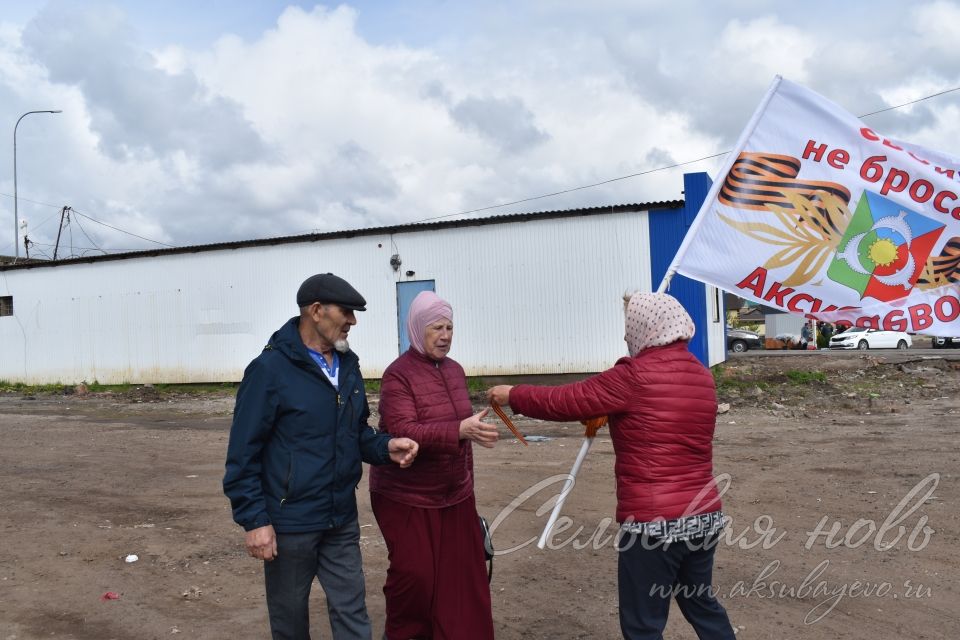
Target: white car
{"points": [[856, 338]]}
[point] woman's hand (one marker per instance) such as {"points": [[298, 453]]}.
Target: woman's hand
{"points": [[500, 394], [483, 433]]}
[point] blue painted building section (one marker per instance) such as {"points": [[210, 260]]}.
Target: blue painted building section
{"points": [[667, 230], [406, 292]]}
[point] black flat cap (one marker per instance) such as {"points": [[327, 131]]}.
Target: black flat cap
{"points": [[330, 289]]}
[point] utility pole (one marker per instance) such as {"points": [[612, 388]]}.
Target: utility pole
{"points": [[64, 213], [26, 238]]}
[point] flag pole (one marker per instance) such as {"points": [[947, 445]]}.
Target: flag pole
{"points": [[590, 431], [718, 183], [567, 488]]}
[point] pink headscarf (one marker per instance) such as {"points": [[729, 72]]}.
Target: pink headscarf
{"points": [[425, 309], [655, 319]]}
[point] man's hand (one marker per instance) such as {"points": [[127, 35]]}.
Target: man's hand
{"points": [[500, 394], [483, 433], [262, 543], [403, 451]]}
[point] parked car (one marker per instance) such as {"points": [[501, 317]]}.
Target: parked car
{"points": [[857, 338], [740, 340], [942, 342]]}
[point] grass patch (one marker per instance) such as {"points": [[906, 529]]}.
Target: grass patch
{"points": [[195, 388], [729, 380], [806, 377], [474, 385], [477, 385], [96, 387], [19, 387], [725, 381], [728, 384], [123, 388]]}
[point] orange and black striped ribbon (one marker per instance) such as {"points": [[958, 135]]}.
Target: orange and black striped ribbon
{"points": [[759, 179], [507, 421], [944, 268]]}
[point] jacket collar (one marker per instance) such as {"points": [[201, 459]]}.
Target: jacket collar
{"points": [[419, 357], [679, 345], [287, 341]]}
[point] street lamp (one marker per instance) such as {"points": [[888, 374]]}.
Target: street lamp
{"points": [[16, 215]]}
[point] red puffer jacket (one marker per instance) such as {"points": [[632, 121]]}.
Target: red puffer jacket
{"points": [[662, 405], [426, 400]]}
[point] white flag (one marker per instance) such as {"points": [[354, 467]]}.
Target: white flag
{"points": [[817, 214]]}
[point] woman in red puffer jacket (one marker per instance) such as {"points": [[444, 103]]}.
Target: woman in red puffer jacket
{"points": [[662, 406], [436, 583]]}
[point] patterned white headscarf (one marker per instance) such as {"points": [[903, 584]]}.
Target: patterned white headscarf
{"points": [[654, 320]]}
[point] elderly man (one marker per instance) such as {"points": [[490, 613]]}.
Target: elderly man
{"points": [[294, 461]]}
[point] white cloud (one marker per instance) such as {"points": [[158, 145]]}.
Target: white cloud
{"points": [[314, 123], [939, 24], [764, 47]]}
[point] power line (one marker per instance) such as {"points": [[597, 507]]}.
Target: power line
{"points": [[905, 104], [22, 199], [45, 221], [586, 186], [648, 171], [504, 204], [47, 204], [35, 227], [122, 231], [87, 236], [44, 244]]}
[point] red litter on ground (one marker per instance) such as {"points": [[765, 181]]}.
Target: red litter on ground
{"points": [[110, 595]]}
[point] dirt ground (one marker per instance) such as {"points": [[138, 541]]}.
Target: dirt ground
{"points": [[863, 445]]}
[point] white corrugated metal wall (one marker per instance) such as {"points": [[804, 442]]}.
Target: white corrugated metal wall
{"points": [[529, 296], [776, 324]]}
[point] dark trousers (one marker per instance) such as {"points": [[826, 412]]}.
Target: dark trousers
{"points": [[436, 586], [332, 556], [648, 578]]}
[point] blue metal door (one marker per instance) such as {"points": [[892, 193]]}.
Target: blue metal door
{"points": [[406, 292]]}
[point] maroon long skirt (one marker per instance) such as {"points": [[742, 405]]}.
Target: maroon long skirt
{"points": [[436, 585]]}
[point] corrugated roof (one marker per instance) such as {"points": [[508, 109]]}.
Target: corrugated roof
{"points": [[351, 233], [11, 259]]}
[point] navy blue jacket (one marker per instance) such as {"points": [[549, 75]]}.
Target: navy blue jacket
{"points": [[296, 444]]}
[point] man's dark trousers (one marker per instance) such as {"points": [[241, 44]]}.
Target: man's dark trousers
{"points": [[332, 556]]}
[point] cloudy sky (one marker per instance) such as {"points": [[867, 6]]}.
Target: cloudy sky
{"points": [[190, 122]]}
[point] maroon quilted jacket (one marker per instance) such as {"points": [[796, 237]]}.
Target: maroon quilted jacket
{"points": [[662, 405], [426, 400]]}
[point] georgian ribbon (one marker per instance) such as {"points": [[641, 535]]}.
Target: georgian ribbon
{"points": [[507, 421], [757, 180]]}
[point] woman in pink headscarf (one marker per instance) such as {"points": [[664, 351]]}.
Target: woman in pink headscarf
{"points": [[437, 581], [662, 407]]}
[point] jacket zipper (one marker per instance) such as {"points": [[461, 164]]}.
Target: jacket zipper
{"points": [[336, 430], [333, 501], [286, 485], [444, 381]]}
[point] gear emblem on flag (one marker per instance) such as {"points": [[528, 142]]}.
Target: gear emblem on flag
{"points": [[883, 249]]}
